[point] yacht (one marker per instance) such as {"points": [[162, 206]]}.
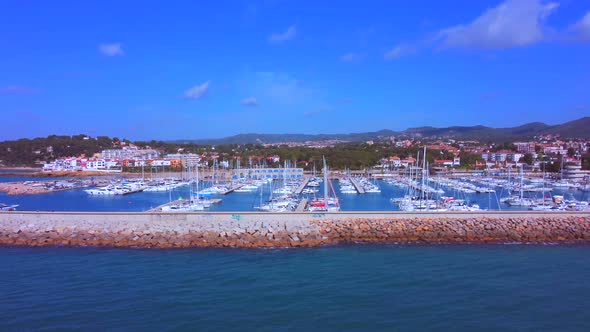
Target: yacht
{"points": [[284, 190], [521, 201], [214, 190], [193, 206], [563, 184], [105, 191], [279, 204], [309, 191], [4, 207]]}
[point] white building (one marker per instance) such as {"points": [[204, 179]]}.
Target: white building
{"points": [[575, 172], [525, 147], [95, 164], [130, 153], [161, 163], [502, 156], [187, 159]]}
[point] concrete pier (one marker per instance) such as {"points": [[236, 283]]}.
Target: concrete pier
{"points": [[180, 202], [302, 205], [303, 185], [231, 190], [357, 186], [254, 229]]}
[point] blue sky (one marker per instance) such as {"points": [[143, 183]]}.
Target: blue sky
{"points": [[204, 69]]}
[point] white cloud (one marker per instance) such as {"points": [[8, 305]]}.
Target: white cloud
{"points": [[351, 57], [397, 52], [513, 23], [198, 91], [283, 37], [251, 102], [581, 29], [111, 49]]}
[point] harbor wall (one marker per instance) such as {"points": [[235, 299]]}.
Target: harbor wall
{"points": [[251, 229]]}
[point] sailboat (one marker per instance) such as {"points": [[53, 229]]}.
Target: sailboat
{"points": [[327, 203], [283, 203], [520, 200], [194, 204]]}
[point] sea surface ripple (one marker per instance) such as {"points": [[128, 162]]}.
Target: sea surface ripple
{"points": [[337, 288]]}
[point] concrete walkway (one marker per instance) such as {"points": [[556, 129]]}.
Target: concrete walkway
{"points": [[303, 185], [357, 186]]}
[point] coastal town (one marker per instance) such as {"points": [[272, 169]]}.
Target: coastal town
{"points": [[533, 155], [430, 174]]}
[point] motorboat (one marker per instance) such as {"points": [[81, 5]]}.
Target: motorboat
{"points": [[4, 207], [105, 191], [183, 207]]}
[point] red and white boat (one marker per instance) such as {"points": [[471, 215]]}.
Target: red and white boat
{"points": [[328, 203]]}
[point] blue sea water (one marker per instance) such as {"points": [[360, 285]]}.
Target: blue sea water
{"points": [[78, 200], [343, 288]]}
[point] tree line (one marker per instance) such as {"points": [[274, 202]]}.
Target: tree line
{"points": [[29, 152]]}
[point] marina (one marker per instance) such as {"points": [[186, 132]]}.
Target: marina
{"points": [[489, 193], [290, 189]]}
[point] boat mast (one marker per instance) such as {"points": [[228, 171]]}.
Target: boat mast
{"points": [[325, 181], [509, 180], [543, 184], [423, 174], [285, 175], [521, 176], [197, 166]]}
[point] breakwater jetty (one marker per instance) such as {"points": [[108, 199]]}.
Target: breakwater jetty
{"points": [[252, 229], [44, 187]]}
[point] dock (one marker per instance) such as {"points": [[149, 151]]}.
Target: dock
{"points": [[132, 191], [303, 185], [179, 202], [357, 186], [302, 205], [231, 190]]}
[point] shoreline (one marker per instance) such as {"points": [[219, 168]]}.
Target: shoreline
{"points": [[38, 174], [43, 187], [19, 168], [258, 230], [82, 174]]}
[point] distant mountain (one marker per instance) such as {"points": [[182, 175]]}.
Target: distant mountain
{"points": [[574, 129], [578, 128], [277, 138], [481, 132]]}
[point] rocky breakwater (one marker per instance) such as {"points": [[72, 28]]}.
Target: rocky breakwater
{"points": [[284, 230], [476, 228], [156, 230]]}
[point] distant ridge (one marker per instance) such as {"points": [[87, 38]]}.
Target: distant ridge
{"points": [[578, 128], [573, 129]]}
